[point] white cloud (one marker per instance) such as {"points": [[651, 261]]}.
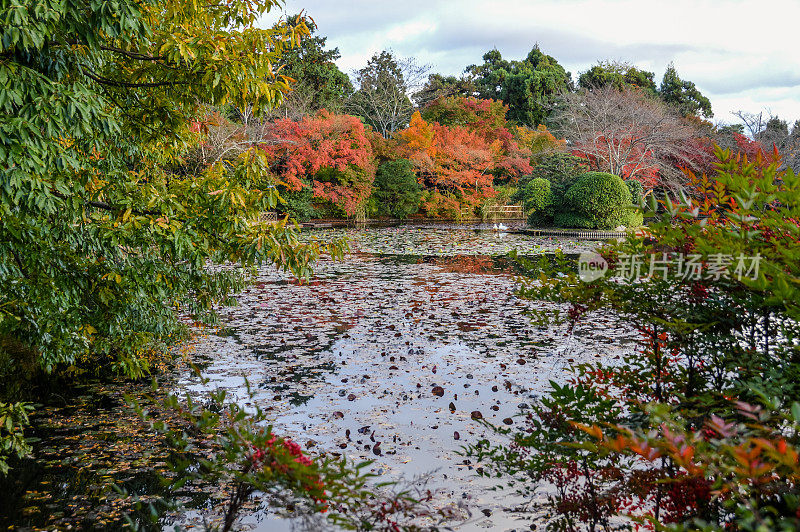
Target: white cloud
{"points": [[409, 31]]}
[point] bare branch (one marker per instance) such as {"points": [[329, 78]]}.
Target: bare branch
{"points": [[626, 132]]}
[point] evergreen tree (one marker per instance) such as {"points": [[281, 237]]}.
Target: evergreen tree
{"points": [[528, 87], [683, 95]]}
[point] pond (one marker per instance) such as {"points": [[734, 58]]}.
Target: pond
{"points": [[348, 363]]}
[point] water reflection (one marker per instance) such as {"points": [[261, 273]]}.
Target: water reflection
{"points": [[362, 349], [354, 359]]}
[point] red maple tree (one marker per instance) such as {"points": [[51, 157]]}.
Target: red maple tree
{"points": [[328, 152]]}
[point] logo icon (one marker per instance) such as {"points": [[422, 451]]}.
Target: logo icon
{"points": [[591, 266]]}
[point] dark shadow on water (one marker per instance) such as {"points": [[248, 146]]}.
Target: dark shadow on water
{"points": [[87, 442], [478, 264], [289, 377]]}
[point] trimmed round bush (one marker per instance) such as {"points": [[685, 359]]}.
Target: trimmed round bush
{"points": [[538, 201], [599, 200], [572, 219], [597, 194], [537, 194]]}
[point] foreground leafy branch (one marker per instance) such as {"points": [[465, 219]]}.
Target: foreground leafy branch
{"points": [[698, 427]]}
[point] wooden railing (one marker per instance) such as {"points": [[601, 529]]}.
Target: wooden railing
{"points": [[495, 212], [504, 212], [269, 217], [575, 233]]}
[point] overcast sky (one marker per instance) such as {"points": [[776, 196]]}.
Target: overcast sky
{"points": [[742, 54]]}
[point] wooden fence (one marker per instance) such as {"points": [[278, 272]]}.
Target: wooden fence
{"points": [[269, 217], [496, 212], [576, 233]]}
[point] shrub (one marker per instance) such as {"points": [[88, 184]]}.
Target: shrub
{"points": [[561, 169], [396, 189], [299, 204], [571, 219], [437, 205], [698, 427], [598, 193], [599, 200], [636, 189], [538, 201], [14, 418], [631, 217]]}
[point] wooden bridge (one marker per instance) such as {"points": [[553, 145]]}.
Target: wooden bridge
{"points": [[496, 212]]}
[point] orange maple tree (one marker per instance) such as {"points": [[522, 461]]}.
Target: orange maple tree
{"points": [[538, 142], [487, 118], [459, 159]]}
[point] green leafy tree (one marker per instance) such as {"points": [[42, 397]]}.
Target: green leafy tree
{"points": [[439, 86], [101, 245], [528, 87], [397, 191], [776, 126], [561, 169], [729, 129], [383, 88], [618, 75], [683, 95], [776, 133], [319, 84]]}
